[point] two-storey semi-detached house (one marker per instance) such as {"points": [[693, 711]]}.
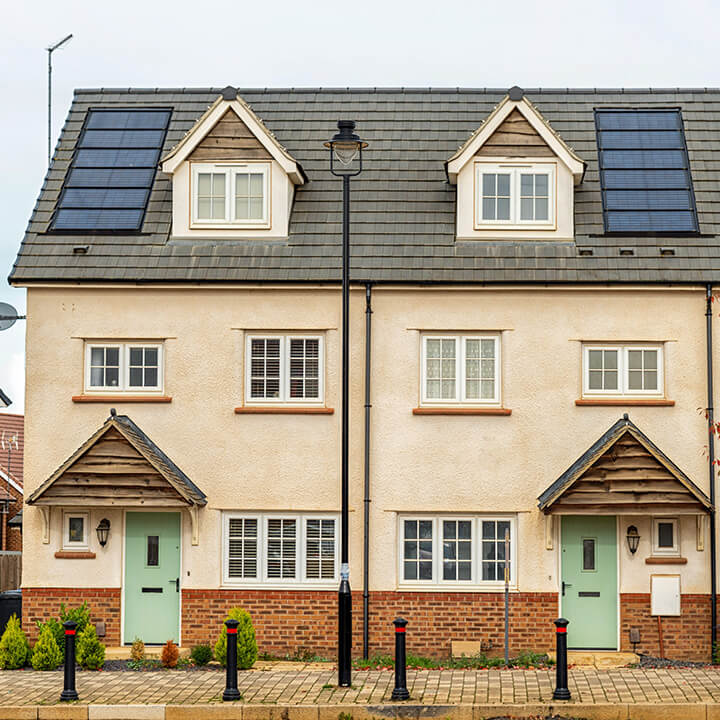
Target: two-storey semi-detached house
{"points": [[537, 266]]}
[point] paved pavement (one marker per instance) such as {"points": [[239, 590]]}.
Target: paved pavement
{"points": [[316, 686]]}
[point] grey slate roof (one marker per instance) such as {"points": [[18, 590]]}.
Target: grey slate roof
{"points": [[612, 435], [403, 212]]}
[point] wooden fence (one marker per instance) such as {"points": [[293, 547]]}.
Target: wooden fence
{"points": [[10, 570]]}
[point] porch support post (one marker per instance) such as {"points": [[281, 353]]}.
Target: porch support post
{"points": [[45, 513], [194, 530]]}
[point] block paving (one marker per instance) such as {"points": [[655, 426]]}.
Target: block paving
{"points": [[313, 685]]}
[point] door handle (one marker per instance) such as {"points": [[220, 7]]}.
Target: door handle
{"points": [[177, 584], [565, 585]]}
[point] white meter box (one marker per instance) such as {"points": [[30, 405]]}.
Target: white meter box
{"points": [[665, 595]]}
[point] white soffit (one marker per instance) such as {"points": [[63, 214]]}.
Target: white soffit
{"points": [[207, 122], [465, 153]]}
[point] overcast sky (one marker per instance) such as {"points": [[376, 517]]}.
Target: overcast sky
{"points": [[146, 43]]}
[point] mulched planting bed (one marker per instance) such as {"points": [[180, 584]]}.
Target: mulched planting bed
{"points": [[149, 666], [650, 662]]}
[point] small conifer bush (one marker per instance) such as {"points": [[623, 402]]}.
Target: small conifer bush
{"points": [[14, 648], [46, 653], [137, 651], [90, 651], [201, 655], [246, 644], [169, 655]]}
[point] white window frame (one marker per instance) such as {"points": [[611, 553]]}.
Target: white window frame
{"points": [[437, 583], [124, 370], [656, 549], [262, 580], [623, 367], [79, 546], [515, 169], [284, 398], [229, 169], [460, 370]]}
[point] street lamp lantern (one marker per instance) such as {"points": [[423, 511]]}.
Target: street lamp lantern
{"points": [[345, 147]]}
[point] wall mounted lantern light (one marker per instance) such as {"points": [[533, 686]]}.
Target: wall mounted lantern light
{"points": [[103, 530], [633, 539]]}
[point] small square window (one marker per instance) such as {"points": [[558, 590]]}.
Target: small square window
{"points": [[124, 367], [665, 536], [623, 370], [75, 531]]}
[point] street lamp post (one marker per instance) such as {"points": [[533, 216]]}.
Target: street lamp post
{"points": [[345, 147]]}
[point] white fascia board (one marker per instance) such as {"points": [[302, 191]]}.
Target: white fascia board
{"points": [[465, 154], [181, 151], [7, 479]]}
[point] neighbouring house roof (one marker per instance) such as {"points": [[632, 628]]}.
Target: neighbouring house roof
{"points": [[16, 520], [403, 208], [12, 435], [623, 472], [5, 401], [119, 465]]}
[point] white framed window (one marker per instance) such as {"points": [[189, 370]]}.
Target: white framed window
{"points": [[450, 551], [124, 367], [280, 549], [461, 369], [75, 531], [623, 370], [665, 536], [514, 194], [231, 194], [284, 369]]}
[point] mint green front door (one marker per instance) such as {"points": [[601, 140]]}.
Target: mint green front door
{"points": [[589, 598], [152, 576]]}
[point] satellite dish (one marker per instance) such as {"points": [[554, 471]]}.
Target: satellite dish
{"points": [[8, 316]]}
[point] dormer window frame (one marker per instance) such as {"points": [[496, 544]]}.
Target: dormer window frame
{"points": [[231, 169], [515, 168]]}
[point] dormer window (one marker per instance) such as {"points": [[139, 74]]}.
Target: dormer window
{"points": [[515, 195], [235, 195]]}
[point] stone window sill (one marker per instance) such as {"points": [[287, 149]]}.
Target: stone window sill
{"points": [[625, 402], [121, 398], [74, 555], [284, 410], [661, 560], [461, 411]]}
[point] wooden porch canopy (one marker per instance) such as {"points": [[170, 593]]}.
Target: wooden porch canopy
{"points": [[119, 466], [624, 473]]}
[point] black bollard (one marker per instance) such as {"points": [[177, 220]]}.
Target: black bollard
{"points": [[231, 689], [69, 692], [400, 691], [561, 677]]}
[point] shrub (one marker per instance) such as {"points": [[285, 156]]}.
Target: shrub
{"points": [[57, 630], [81, 615], [46, 653], [14, 648], [247, 645], [90, 651], [201, 654], [137, 651], [170, 654]]}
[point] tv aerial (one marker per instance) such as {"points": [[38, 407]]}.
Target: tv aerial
{"points": [[8, 316]]}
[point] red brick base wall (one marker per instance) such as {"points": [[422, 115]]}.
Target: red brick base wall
{"points": [[44, 603], [686, 637], [290, 622]]}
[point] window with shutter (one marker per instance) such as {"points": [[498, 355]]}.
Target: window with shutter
{"points": [[242, 548], [319, 549], [281, 548]]}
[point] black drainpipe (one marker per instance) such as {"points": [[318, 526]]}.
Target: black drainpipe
{"points": [[366, 499], [711, 469]]}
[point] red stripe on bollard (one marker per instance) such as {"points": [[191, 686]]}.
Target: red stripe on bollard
{"points": [[399, 629], [232, 631], [69, 632], [561, 630]]}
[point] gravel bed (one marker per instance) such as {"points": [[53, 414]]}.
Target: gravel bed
{"points": [[648, 661]]}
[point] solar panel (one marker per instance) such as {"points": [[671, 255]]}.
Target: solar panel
{"points": [[645, 172], [108, 184]]}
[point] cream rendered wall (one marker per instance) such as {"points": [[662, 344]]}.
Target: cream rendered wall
{"points": [[419, 463]]}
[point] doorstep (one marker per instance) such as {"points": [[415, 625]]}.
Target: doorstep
{"points": [[599, 659]]}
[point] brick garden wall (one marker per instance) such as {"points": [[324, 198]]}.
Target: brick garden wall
{"points": [[291, 622], [14, 539], [44, 603], [686, 637]]}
